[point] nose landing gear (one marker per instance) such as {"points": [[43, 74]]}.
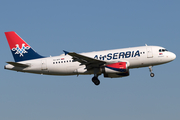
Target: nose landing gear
{"points": [[150, 69], [152, 74]]}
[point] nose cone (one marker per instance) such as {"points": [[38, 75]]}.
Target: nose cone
{"points": [[173, 56]]}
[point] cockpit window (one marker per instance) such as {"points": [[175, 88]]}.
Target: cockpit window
{"points": [[162, 50]]}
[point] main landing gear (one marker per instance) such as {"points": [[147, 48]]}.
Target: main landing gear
{"points": [[150, 69], [95, 80]]}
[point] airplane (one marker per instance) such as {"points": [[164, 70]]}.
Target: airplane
{"points": [[111, 63]]}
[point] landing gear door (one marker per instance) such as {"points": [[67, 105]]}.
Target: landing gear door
{"points": [[149, 52], [43, 65]]}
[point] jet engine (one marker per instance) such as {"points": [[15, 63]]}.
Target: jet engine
{"points": [[115, 70]]}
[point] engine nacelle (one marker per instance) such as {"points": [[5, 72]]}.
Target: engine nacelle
{"points": [[115, 70]]}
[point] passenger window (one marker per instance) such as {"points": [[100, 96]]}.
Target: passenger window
{"points": [[61, 61]]}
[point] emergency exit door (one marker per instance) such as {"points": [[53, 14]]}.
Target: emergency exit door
{"points": [[43, 65]]}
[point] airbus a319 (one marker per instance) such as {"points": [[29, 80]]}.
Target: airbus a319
{"points": [[111, 63]]}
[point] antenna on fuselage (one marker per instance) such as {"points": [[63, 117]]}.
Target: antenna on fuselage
{"points": [[146, 44]]}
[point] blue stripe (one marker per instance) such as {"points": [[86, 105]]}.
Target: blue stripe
{"points": [[117, 69]]}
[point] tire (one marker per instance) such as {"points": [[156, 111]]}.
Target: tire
{"points": [[95, 81], [152, 74]]}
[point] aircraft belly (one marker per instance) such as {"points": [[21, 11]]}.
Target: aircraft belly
{"points": [[62, 69]]}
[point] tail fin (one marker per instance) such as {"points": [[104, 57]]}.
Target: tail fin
{"points": [[20, 49]]}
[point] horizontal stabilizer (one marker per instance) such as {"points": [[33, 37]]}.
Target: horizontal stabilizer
{"points": [[18, 64]]}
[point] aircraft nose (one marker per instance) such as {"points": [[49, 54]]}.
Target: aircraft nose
{"points": [[173, 56]]}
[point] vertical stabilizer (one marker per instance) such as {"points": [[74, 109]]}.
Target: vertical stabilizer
{"points": [[20, 49]]}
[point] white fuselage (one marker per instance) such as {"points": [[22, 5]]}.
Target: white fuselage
{"points": [[135, 57]]}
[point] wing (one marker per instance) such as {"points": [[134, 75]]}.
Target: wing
{"points": [[84, 60]]}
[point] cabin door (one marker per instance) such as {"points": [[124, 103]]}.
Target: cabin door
{"points": [[149, 52]]}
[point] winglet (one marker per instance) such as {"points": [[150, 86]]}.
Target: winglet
{"points": [[65, 52]]}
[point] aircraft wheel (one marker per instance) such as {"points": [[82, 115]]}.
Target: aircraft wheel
{"points": [[95, 81], [152, 74]]}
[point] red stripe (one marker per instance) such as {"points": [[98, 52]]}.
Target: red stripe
{"points": [[119, 65]]}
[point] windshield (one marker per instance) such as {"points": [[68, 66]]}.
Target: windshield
{"points": [[162, 50]]}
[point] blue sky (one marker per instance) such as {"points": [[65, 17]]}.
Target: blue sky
{"points": [[82, 26]]}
